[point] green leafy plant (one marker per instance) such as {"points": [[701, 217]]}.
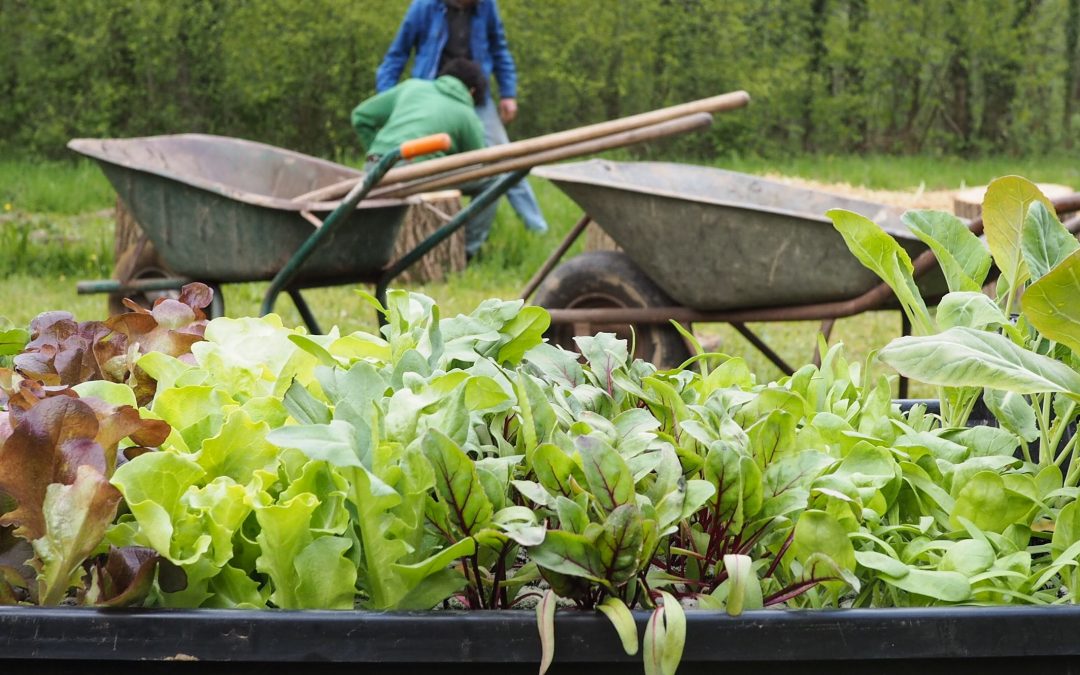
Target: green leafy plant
{"points": [[992, 499]]}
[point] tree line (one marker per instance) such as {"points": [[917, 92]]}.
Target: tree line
{"points": [[837, 76]]}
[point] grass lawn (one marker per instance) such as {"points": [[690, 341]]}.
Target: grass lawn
{"points": [[56, 228]]}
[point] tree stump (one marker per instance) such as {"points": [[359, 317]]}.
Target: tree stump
{"points": [[598, 240], [427, 213], [968, 203]]}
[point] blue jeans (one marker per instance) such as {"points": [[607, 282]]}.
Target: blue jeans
{"points": [[476, 230], [521, 196]]}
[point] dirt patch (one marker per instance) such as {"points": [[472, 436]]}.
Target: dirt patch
{"points": [[941, 200]]}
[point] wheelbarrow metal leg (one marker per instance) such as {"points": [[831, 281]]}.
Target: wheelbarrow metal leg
{"points": [[905, 330], [555, 257], [480, 202], [765, 349], [826, 332], [305, 311]]}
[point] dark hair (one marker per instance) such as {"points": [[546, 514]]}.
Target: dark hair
{"points": [[471, 75]]}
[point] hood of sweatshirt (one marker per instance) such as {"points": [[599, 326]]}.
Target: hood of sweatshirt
{"points": [[448, 85]]}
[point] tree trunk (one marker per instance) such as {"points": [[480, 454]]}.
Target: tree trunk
{"points": [[816, 38], [1072, 54], [429, 213]]}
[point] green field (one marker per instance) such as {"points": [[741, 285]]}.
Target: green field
{"points": [[56, 228]]}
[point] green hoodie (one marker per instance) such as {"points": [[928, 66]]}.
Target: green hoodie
{"points": [[417, 108]]}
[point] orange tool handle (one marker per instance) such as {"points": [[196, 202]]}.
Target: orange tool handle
{"points": [[425, 146]]}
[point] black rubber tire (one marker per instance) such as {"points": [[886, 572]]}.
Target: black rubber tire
{"points": [[611, 279], [135, 258]]}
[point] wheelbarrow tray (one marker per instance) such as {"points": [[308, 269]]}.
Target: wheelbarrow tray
{"points": [[716, 240], [221, 209]]}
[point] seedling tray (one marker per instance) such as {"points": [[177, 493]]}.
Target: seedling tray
{"points": [[930, 640]]}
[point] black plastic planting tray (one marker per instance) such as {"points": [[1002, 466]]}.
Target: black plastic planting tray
{"points": [[933, 640]]}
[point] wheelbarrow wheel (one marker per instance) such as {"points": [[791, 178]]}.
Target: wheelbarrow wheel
{"points": [[136, 258], [610, 279]]}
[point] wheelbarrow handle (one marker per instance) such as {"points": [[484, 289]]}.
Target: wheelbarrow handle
{"points": [[339, 215], [408, 150], [425, 146]]}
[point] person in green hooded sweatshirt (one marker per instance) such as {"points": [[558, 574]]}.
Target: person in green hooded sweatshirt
{"points": [[417, 108]]}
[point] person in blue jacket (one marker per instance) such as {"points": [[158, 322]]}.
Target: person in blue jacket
{"points": [[441, 30]]}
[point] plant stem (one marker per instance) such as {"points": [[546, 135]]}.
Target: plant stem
{"points": [[479, 579], [500, 572]]}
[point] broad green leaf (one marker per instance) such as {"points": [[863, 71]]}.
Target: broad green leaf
{"points": [[969, 310], [233, 588], [457, 483], [745, 588], [152, 485], [553, 468], [963, 257], [572, 516], [13, 340], [1046, 242], [1005, 209], [605, 354], [620, 617], [571, 554], [331, 489], [76, 517], [435, 588], [305, 408], [738, 483], [534, 492], [606, 473], [1013, 412], [112, 393], [961, 357], [772, 437], [421, 574], [218, 509], [239, 450], [880, 253], [284, 532], [381, 544], [1051, 303], [819, 532], [880, 562], [326, 578], [519, 524], [1067, 528], [555, 364], [968, 557], [538, 418], [619, 545], [545, 623], [336, 443], [985, 501], [524, 332], [947, 586]]}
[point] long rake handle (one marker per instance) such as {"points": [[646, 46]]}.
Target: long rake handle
{"points": [[498, 153]]}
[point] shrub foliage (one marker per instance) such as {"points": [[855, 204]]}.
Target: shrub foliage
{"points": [[962, 76]]}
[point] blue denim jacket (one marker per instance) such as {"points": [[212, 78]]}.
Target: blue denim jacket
{"points": [[425, 30]]}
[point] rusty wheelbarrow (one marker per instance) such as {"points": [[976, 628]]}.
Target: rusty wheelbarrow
{"points": [[707, 245]]}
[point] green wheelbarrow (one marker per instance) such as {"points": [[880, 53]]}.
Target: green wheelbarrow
{"points": [[223, 210]]}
